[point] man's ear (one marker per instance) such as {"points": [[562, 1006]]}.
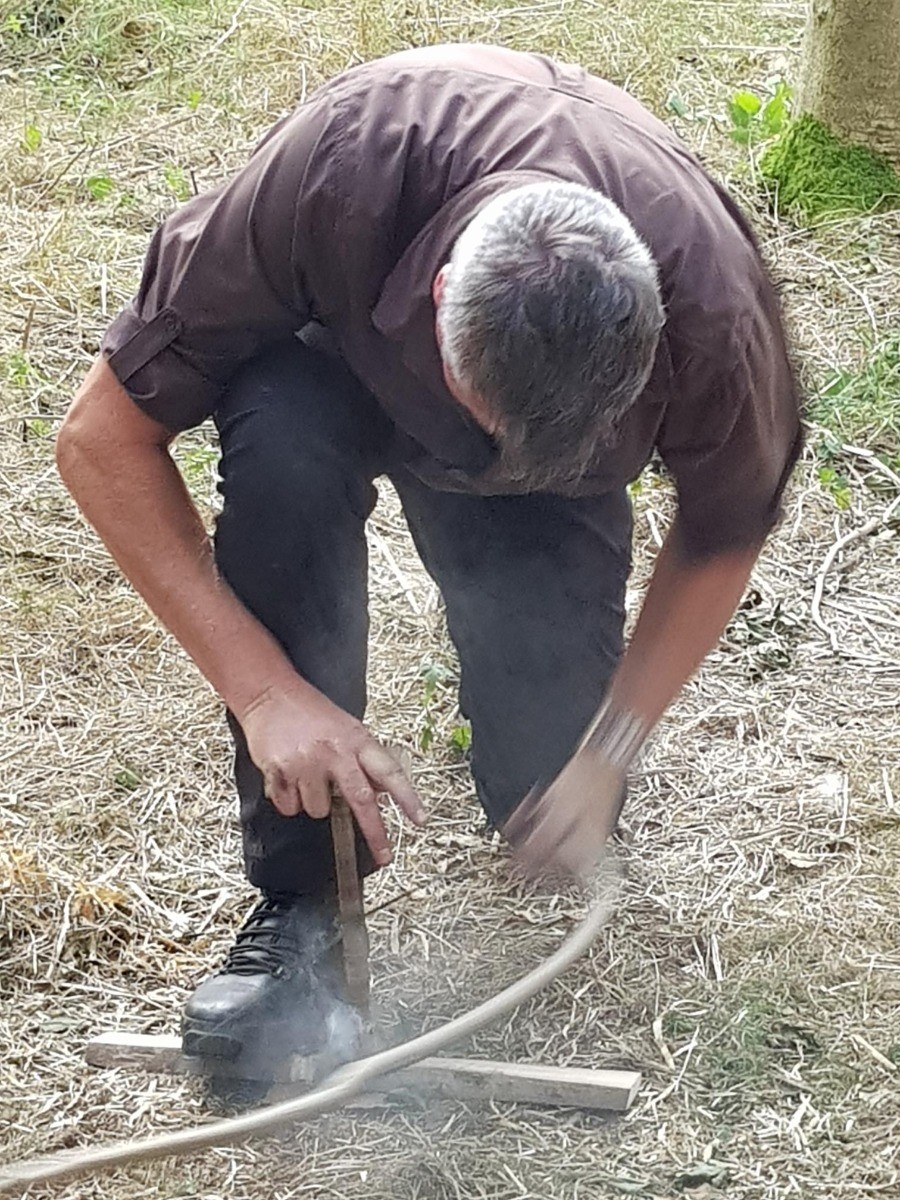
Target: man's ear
{"points": [[440, 282]]}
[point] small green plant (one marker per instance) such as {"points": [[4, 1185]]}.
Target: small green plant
{"points": [[32, 138], [741, 1054], [758, 1031], [197, 462], [36, 427], [754, 120], [837, 487], [127, 780], [100, 187], [461, 739], [17, 370], [676, 106], [434, 676], [193, 99], [675, 1025], [177, 182]]}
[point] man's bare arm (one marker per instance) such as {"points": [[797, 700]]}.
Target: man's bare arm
{"points": [[685, 611], [115, 461], [683, 617]]}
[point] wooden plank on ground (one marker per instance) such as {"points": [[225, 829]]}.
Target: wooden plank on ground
{"points": [[451, 1078], [517, 1083], [161, 1052]]}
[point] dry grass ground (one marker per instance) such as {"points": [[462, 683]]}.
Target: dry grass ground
{"points": [[752, 971]]}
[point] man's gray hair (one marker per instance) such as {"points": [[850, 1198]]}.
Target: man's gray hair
{"points": [[551, 315]]}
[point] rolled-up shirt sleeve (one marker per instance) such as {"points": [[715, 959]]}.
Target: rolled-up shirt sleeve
{"points": [[218, 285], [733, 432]]}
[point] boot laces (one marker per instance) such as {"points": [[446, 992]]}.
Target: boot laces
{"points": [[280, 937]]}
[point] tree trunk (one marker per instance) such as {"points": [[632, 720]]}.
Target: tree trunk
{"points": [[851, 71]]}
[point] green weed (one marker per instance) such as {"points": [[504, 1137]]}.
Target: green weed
{"points": [[677, 107], [677, 1025], [755, 120], [759, 1032], [126, 779], [862, 406], [36, 427], [177, 182], [816, 172], [742, 1052], [32, 138], [837, 486], [100, 187], [435, 677], [461, 739], [198, 463], [17, 369]]}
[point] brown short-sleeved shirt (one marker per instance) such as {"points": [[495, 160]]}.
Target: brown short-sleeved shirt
{"points": [[349, 207]]}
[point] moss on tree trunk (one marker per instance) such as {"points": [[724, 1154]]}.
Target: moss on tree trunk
{"points": [[844, 151]]}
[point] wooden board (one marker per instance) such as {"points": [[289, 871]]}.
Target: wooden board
{"points": [[162, 1053], [517, 1083], [451, 1078]]}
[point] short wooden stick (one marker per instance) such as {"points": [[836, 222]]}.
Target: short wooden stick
{"points": [[354, 937]]}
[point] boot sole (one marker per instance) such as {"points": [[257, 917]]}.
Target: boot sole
{"points": [[262, 1051]]}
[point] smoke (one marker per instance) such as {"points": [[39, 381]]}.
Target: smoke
{"points": [[322, 1024], [347, 1033]]}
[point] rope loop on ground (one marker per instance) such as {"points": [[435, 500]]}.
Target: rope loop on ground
{"points": [[339, 1087]]}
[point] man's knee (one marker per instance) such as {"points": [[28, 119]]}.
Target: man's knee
{"points": [[299, 440]]}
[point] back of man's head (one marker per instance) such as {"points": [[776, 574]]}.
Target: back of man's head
{"points": [[551, 314]]}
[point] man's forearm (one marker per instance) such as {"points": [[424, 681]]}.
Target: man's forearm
{"points": [[565, 826], [115, 460], [134, 497], [684, 614]]}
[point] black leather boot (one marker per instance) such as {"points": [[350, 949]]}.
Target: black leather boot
{"points": [[272, 995]]}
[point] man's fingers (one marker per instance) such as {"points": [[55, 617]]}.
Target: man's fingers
{"points": [[360, 796], [578, 850], [387, 775], [284, 796], [564, 828], [563, 842], [316, 796]]}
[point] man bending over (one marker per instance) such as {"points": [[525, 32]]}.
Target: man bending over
{"points": [[504, 284]]}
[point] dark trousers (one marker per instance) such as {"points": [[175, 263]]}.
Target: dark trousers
{"points": [[533, 587]]}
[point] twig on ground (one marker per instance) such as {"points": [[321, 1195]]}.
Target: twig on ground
{"points": [[828, 562]]}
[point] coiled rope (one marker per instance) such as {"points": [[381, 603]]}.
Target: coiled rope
{"points": [[336, 1089]]}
